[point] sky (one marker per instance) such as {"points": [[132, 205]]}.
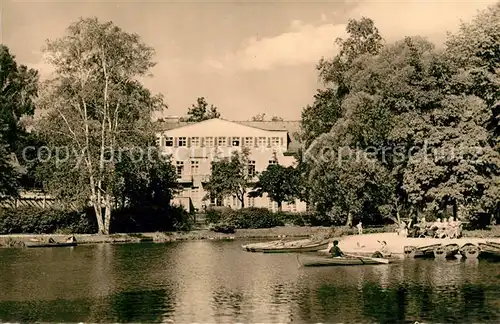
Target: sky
{"points": [[245, 57]]}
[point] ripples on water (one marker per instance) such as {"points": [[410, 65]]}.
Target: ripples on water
{"points": [[218, 282]]}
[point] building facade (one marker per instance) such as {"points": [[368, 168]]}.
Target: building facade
{"points": [[193, 147]]}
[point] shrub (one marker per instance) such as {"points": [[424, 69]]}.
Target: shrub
{"points": [[244, 218], [255, 218], [150, 219], [306, 219], [31, 220], [478, 221]]}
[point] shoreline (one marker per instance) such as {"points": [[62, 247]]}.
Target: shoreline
{"points": [[18, 240], [290, 232]]}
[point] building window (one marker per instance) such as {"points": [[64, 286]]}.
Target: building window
{"points": [[182, 141], [194, 192], [272, 205], [195, 141], [236, 141], [221, 141], [248, 141], [251, 202], [262, 141], [179, 168], [195, 165], [209, 141], [273, 162], [169, 141], [275, 141], [251, 169]]}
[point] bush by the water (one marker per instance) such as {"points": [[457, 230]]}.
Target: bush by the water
{"points": [[150, 219], [45, 221], [243, 218], [31, 220]]}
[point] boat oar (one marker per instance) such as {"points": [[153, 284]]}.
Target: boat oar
{"points": [[379, 260]]}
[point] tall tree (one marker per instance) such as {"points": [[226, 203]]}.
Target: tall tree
{"points": [[96, 108], [201, 111], [18, 90], [320, 117], [364, 39], [230, 177], [281, 184]]}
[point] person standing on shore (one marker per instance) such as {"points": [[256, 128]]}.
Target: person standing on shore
{"points": [[360, 228]]}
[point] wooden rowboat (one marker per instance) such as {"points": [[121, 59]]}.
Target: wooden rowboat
{"points": [[54, 244], [287, 247], [489, 250], [446, 251], [319, 261]]}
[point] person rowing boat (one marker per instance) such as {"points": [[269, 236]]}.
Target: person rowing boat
{"points": [[335, 251]]}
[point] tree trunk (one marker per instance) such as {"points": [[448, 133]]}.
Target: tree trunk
{"points": [[107, 214], [398, 217], [280, 206], [349, 219]]}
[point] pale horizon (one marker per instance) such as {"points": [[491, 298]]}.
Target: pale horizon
{"points": [[246, 58]]}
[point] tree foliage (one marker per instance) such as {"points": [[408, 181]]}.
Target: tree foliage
{"points": [[229, 176], [201, 111], [18, 90], [429, 117], [281, 184], [96, 109]]}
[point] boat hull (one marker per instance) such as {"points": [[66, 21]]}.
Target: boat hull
{"points": [[42, 245], [286, 247], [317, 261]]}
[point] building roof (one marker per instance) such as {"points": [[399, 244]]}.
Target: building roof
{"points": [[290, 126]]}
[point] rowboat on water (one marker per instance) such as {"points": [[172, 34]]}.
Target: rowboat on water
{"points": [[490, 250], [322, 261], [54, 244], [446, 251], [286, 247]]}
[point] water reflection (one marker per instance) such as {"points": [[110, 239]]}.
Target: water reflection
{"points": [[217, 282]]}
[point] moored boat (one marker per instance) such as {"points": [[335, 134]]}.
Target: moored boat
{"points": [[489, 250], [287, 247], [426, 251], [446, 251], [53, 244], [322, 261]]}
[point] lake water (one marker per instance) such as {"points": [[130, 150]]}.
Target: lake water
{"points": [[208, 281]]}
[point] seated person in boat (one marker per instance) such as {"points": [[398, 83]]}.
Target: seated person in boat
{"points": [[383, 252], [335, 251]]}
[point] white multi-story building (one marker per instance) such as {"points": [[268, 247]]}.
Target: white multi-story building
{"points": [[193, 147]]}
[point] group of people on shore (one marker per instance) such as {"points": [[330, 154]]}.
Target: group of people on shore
{"points": [[446, 228]]}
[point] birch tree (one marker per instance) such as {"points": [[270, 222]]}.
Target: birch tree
{"points": [[95, 108]]}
